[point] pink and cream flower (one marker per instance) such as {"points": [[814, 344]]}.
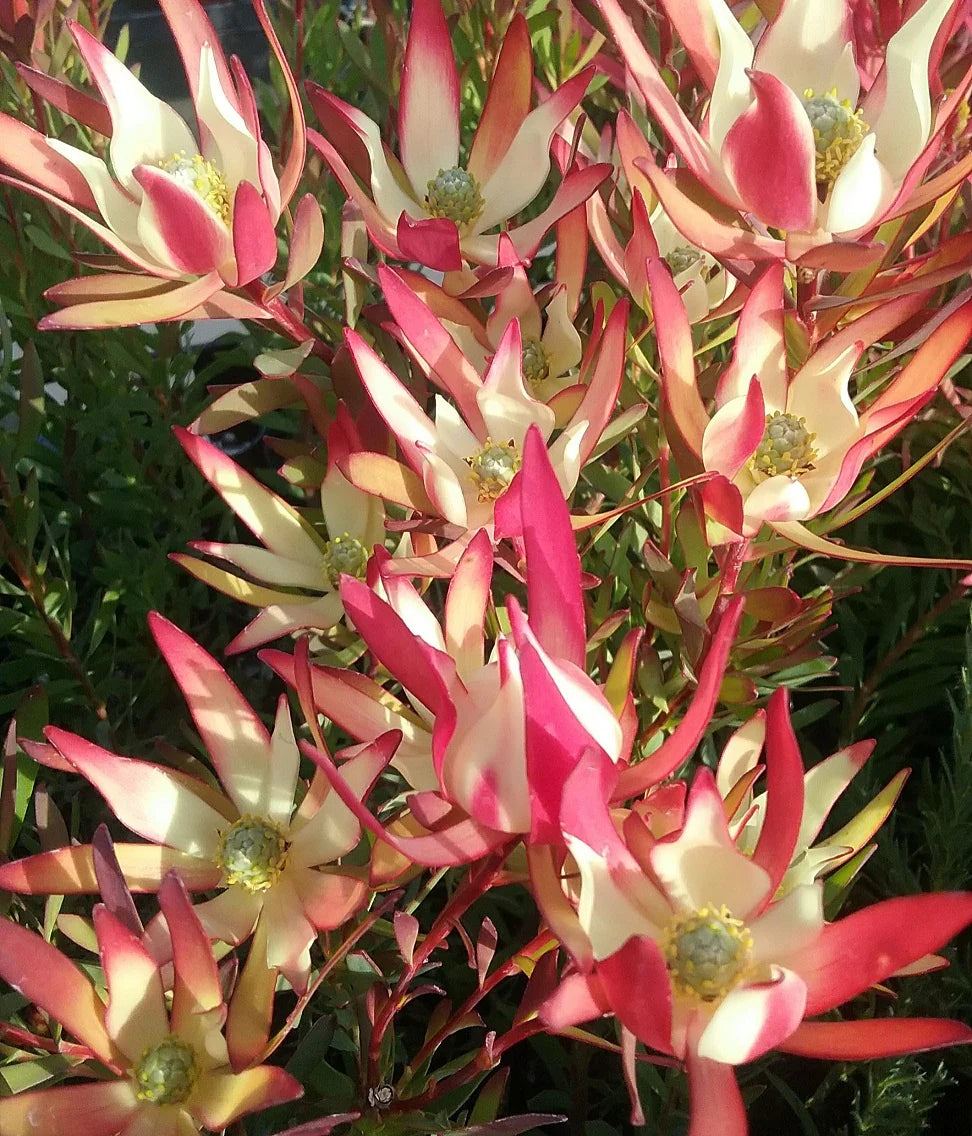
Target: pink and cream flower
{"points": [[789, 446], [789, 137], [425, 204], [501, 733], [169, 1065], [193, 214], [695, 952], [293, 579], [463, 459], [272, 858]]}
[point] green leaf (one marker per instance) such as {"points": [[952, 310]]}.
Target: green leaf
{"points": [[46, 243]]}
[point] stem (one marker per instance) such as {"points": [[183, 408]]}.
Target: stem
{"points": [[289, 324], [731, 566], [507, 970], [479, 881], [34, 587], [488, 1058]]}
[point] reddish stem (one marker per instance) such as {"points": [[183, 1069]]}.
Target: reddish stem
{"points": [[288, 323], [478, 882]]}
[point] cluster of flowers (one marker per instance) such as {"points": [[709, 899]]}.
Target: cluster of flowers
{"points": [[506, 741]]}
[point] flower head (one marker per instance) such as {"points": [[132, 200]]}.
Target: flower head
{"points": [[170, 1068], [272, 860], [843, 158], [464, 459], [424, 203], [697, 953], [197, 213], [792, 443], [296, 573]]}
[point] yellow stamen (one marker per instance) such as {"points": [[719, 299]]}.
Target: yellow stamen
{"points": [[203, 178], [838, 131], [787, 447], [252, 853], [707, 953], [493, 468]]}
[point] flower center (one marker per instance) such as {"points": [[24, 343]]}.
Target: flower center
{"points": [[838, 131], [535, 361], [493, 467], [787, 447], [682, 257], [204, 179], [252, 852], [166, 1073], [454, 194], [344, 554], [706, 953]]}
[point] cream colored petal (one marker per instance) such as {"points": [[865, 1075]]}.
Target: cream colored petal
{"points": [[347, 509], [903, 123], [230, 916], [119, 211], [454, 440], [788, 925], [565, 454], [776, 499], [861, 192], [290, 934], [151, 132], [609, 914], [806, 46], [277, 796], [333, 830], [280, 571], [560, 339], [731, 93], [229, 145], [822, 399]]}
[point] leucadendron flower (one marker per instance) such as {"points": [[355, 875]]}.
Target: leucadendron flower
{"points": [[293, 578], [788, 136], [425, 204], [695, 951], [272, 858], [462, 459], [169, 1071], [194, 214], [787, 445]]}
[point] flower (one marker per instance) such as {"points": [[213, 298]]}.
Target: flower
{"points": [[428, 207], [840, 163], [694, 951], [790, 446], [463, 461], [296, 559], [502, 733], [194, 216], [703, 283], [550, 346], [170, 1067], [822, 786], [271, 859]]}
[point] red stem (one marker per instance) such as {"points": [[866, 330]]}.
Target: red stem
{"points": [[479, 881]]}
